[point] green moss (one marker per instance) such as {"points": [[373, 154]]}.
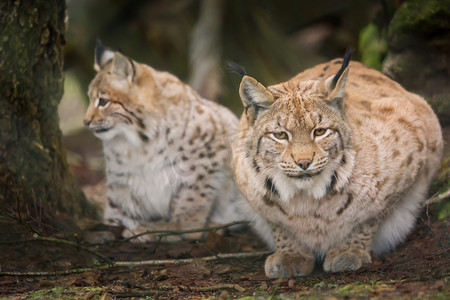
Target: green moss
{"points": [[443, 103], [425, 16], [356, 290], [442, 184], [372, 46], [416, 13]]}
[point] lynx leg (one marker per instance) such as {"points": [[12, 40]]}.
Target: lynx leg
{"points": [[191, 208], [113, 213], [116, 216], [289, 259], [353, 252]]}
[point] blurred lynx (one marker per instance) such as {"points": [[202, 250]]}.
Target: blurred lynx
{"points": [[167, 150], [337, 161]]}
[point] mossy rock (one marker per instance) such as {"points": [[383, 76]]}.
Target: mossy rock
{"points": [[419, 51]]}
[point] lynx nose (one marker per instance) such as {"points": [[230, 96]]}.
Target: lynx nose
{"points": [[304, 163], [87, 122]]}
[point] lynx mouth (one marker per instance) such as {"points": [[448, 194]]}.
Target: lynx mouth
{"points": [[303, 176], [101, 130]]}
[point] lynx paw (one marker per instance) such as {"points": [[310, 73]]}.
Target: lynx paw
{"points": [[338, 260], [283, 265]]}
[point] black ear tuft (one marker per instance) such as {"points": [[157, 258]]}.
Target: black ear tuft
{"points": [[99, 49], [102, 56], [346, 61], [234, 67]]}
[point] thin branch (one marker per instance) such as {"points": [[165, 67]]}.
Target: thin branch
{"points": [[163, 233], [134, 295], [438, 198], [19, 220], [212, 253], [157, 262], [56, 273], [38, 238], [73, 244], [218, 287], [210, 288], [190, 288]]}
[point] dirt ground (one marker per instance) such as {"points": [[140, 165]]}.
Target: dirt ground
{"points": [[419, 268]]}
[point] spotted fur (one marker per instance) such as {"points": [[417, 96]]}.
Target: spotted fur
{"points": [[167, 150], [335, 165]]}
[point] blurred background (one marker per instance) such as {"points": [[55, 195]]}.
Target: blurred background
{"points": [[274, 40]]}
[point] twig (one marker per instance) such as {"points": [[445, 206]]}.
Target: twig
{"points": [[37, 238], [134, 295], [218, 287], [210, 252], [438, 198], [163, 233], [21, 222], [190, 288], [56, 273], [73, 244], [157, 262]]}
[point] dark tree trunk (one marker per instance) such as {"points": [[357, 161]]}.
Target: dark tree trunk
{"points": [[34, 178]]}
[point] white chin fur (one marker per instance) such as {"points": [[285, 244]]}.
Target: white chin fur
{"points": [[106, 135], [120, 130], [315, 187]]}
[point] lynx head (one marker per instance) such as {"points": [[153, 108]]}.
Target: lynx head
{"points": [[297, 137], [121, 93]]}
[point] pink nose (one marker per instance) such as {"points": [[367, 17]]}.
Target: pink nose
{"points": [[304, 163]]}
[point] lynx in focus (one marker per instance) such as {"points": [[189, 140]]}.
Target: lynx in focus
{"points": [[337, 162], [167, 150]]}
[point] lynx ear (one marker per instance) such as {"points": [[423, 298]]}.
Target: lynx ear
{"points": [[336, 88], [102, 56], [335, 85], [255, 96], [123, 67]]}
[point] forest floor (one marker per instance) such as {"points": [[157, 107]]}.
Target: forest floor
{"points": [[38, 263]]}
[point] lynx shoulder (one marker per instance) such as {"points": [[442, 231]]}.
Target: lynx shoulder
{"points": [[167, 150], [337, 162]]}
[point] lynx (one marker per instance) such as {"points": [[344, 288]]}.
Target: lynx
{"points": [[167, 150], [337, 162]]}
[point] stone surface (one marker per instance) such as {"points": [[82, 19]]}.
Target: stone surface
{"points": [[419, 51]]}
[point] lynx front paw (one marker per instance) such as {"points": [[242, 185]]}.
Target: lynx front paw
{"points": [[338, 260], [283, 265]]}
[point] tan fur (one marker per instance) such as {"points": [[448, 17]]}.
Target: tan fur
{"points": [[368, 174], [167, 151]]}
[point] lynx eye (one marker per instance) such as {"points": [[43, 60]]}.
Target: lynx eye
{"points": [[319, 131], [102, 102], [280, 135]]}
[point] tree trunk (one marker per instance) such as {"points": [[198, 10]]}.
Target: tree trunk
{"points": [[34, 178], [205, 50]]}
